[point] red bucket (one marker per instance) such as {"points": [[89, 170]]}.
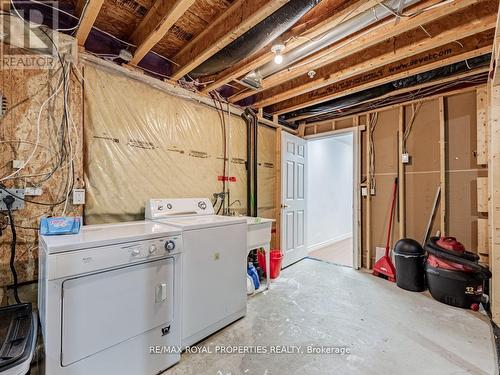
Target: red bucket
{"points": [[276, 260]]}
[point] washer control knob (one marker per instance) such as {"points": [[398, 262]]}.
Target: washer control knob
{"points": [[169, 245], [152, 249], [136, 252]]}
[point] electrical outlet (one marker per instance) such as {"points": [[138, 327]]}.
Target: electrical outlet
{"points": [[18, 195], [364, 191], [33, 191], [78, 196], [372, 191], [17, 164], [405, 158]]}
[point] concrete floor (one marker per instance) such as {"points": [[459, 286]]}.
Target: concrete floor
{"points": [[340, 253], [387, 330]]}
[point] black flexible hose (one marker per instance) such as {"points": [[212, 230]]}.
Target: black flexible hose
{"points": [[433, 249], [465, 255], [13, 254]]}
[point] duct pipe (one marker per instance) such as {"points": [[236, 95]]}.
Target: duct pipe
{"points": [[252, 162], [256, 38], [344, 29]]}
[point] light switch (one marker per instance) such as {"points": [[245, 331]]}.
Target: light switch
{"points": [[161, 293], [78, 196]]}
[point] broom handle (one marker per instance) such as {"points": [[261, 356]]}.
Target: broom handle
{"points": [[394, 194]]}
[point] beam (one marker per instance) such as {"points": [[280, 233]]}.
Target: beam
{"points": [[296, 37], [380, 76], [377, 34], [153, 27], [412, 43], [88, 16], [237, 20]]}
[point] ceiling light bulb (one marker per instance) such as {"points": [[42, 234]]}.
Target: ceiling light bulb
{"points": [[278, 49], [278, 59]]}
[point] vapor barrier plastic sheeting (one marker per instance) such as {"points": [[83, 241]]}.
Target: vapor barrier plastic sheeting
{"points": [[143, 143]]}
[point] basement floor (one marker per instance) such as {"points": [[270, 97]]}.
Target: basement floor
{"points": [[386, 329]]}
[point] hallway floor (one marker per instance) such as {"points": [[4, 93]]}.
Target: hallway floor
{"points": [[338, 253], [385, 329]]}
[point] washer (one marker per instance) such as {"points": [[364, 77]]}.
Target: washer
{"points": [[214, 264], [109, 297]]}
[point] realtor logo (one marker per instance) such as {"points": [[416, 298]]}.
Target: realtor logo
{"points": [[25, 42]]}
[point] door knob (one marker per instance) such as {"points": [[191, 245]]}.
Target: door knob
{"points": [[284, 205]]}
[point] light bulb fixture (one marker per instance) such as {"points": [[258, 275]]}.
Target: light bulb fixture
{"points": [[278, 49]]}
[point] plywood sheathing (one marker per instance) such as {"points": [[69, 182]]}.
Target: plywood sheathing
{"points": [[25, 91]]}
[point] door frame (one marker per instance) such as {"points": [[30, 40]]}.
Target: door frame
{"points": [[356, 201]]}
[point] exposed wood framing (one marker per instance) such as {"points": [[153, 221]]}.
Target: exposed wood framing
{"points": [[5, 5], [369, 195], [339, 89], [277, 190], [442, 164], [295, 38], [482, 194], [482, 126], [160, 18], [494, 182], [357, 192], [325, 61], [414, 88], [237, 20], [88, 16], [401, 175]]}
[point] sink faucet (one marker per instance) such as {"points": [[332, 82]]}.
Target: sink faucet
{"points": [[229, 207]]}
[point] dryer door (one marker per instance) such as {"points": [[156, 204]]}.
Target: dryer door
{"points": [[104, 309]]}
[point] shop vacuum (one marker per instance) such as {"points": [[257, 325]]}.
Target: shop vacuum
{"points": [[453, 274]]}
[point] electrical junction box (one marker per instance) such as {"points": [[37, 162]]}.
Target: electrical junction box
{"points": [[17, 164], [18, 195], [405, 158], [78, 196]]}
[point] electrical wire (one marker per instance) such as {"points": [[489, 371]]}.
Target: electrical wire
{"points": [[8, 202]]}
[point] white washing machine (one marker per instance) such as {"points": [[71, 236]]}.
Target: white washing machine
{"points": [[214, 264], [107, 296]]}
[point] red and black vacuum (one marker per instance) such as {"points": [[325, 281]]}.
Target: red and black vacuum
{"points": [[453, 274]]}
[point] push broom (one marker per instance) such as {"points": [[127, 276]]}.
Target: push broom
{"points": [[384, 266]]}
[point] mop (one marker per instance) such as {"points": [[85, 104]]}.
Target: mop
{"points": [[384, 266]]}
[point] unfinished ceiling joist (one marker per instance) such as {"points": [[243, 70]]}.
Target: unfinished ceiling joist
{"points": [[296, 37], [160, 18], [382, 75], [395, 93], [233, 23], [88, 13], [409, 44], [357, 43]]}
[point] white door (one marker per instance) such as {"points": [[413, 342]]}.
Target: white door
{"points": [[293, 198]]}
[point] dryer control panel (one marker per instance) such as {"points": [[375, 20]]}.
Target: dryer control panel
{"points": [[100, 258]]}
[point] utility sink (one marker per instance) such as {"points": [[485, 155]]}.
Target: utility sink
{"points": [[259, 232]]}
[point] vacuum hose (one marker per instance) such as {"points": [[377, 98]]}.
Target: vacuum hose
{"points": [[466, 259]]}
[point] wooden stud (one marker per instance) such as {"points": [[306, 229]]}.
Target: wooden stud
{"points": [[88, 18], [277, 192], [369, 196], [482, 236], [482, 126], [442, 165], [5, 5], [233, 23], [302, 129], [153, 27], [401, 174], [357, 190], [482, 194], [494, 182]]}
